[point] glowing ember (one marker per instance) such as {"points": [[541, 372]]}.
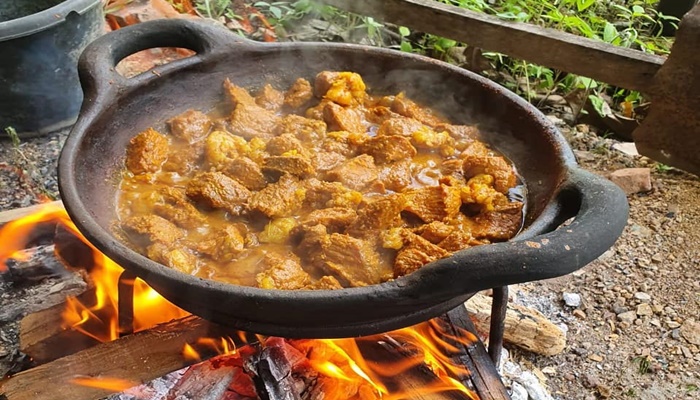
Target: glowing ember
{"points": [[345, 369]]}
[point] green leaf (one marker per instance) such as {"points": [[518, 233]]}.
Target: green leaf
{"points": [[638, 10], [586, 83], [406, 47], [276, 12], [600, 106], [403, 31], [609, 33], [582, 5]]}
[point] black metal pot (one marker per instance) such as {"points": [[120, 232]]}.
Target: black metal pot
{"points": [[40, 42], [115, 109]]}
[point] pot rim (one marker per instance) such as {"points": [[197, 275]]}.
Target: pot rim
{"points": [[45, 19]]}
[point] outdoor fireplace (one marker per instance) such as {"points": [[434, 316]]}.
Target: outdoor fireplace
{"points": [[119, 335]]}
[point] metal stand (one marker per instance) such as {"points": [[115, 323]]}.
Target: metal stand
{"points": [[498, 319], [126, 303]]}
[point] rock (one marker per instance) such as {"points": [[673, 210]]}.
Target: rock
{"points": [[690, 330], [595, 357], [632, 180], [549, 371], [3, 351], [519, 392], [572, 299], [628, 148], [579, 314], [673, 324], [643, 297], [590, 380], [604, 391], [627, 317], [142, 11], [644, 309], [583, 156]]}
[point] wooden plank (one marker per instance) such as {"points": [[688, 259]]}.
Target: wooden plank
{"points": [[136, 358], [627, 68], [17, 213]]}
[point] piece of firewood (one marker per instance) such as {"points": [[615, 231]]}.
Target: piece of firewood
{"points": [[17, 213], [524, 327], [41, 263], [135, 358]]}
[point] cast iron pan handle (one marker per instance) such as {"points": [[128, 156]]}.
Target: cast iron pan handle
{"points": [[600, 210], [97, 63]]}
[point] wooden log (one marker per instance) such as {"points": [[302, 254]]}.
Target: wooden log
{"points": [[524, 327], [40, 264], [136, 358], [627, 68], [17, 213]]}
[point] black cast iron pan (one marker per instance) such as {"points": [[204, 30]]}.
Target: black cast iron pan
{"points": [[116, 108]]}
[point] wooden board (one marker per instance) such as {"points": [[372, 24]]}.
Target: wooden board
{"points": [[17, 213], [617, 66]]}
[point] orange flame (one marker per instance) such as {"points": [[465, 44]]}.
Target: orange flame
{"points": [[109, 384]]}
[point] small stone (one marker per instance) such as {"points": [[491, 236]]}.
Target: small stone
{"points": [[632, 180], [579, 314], [644, 309], [604, 391], [627, 317], [618, 309], [590, 380], [657, 258], [549, 371], [643, 297], [690, 330], [3, 351], [676, 334], [673, 324], [519, 392], [569, 376], [626, 148], [572, 299], [595, 357], [657, 309]]}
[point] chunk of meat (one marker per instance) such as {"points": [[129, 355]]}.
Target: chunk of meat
{"points": [[497, 167], [354, 262], [320, 194], [404, 106], [325, 283], [251, 120], [237, 95], [463, 135], [500, 224], [335, 219], [452, 167], [343, 119], [191, 125], [146, 152], [285, 142], [385, 149], [184, 162], [176, 258], [396, 176], [356, 173], [434, 203], [221, 147], [378, 214], [247, 172], [344, 88], [216, 190], [279, 199], [326, 160], [299, 94], [415, 253], [435, 232], [459, 239], [379, 114], [269, 98], [148, 229], [224, 244], [282, 273], [399, 127], [293, 164], [305, 129], [177, 209]]}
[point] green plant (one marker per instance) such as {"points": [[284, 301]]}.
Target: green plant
{"points": [[12, 134], [212, 8], [642, 363]]}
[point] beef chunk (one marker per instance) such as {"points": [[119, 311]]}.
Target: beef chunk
{"points": [[216, 190], [463, 135], [500, 224], [379, 114], [299, 94], [406, 107], [176, 258], [326, 160], [284, 143], [247, 172], [435, 232], [354, 262], [378, 214], [459, 239], [320, 194], [335, 219], [452, 167], [177, 209], [305, 129], [399, 127], [396, 176], [221, 147], [415, 253], [250, 121], [223, 244], [356, 173], [270, 98], [343, 119], [497, 167], [386, 149], [344, 88], [152, 229], [282, 272], [237, 95], [325, 283], [184, 162], [191, 125], [279, 199], [434, 203], [146, 152], [293, 164]]}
